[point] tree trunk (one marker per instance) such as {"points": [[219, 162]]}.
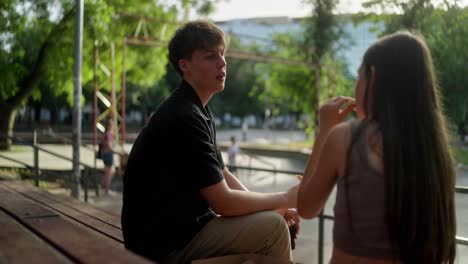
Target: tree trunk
{"points": [[53, 115], [7, 120], [37, 113], [316, 101], [29, 82]]}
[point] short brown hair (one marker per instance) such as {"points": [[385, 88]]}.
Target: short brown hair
{"points": [[195, 35]]}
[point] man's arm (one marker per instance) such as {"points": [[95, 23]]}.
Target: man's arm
{"points": [[236, 184], [232, 181], [230, 202]]}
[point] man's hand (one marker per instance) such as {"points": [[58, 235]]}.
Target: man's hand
{"points": [[292, 218]]}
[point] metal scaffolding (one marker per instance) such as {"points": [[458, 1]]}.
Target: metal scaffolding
{"points": [[141, 37]]}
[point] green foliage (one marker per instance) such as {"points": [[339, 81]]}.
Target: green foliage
{"points": [[289, 88], [444, 28], [238, 97], [202, 7], [37, 40], [28, 25], [146, 99], [446, 34], [460, 154], [321, 29]]}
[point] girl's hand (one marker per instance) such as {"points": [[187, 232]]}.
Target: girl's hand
{"points": [[332, 113]]}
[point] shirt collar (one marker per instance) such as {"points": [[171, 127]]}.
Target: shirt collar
{"points": [[190, 92]]}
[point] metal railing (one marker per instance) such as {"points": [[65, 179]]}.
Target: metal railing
{"points": [[257, 158], [273, 169], [322, 216], [87, 169]]}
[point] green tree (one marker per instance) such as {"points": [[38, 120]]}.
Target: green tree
{"points": [[444, 28], [37, 43], [447, 36], [302, 87], [146, 99], [202, 7], [291, 88], [237, 98], [322, 32], [409, 11], [23, 61]]}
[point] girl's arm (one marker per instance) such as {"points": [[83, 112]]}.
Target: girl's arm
{"points": [[328, 156], [322, 170]]}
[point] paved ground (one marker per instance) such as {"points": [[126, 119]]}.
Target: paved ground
{"points": [[306, 251]]}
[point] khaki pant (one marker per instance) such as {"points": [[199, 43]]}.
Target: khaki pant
{"points": [[263, 233]]}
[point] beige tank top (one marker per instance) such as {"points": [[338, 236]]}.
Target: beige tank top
{"points": [[361, 231]]}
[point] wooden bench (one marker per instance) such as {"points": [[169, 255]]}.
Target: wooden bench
{"points": [[39, 227]]}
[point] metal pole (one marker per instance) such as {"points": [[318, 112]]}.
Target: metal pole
{"points": [[77, 99], [113, 110], [95, 101], [85, 182], [36, 159], [122, 156], [124, 92], [320, 242], [275, 180], [113, 116], [95, 111], [316, 100]]}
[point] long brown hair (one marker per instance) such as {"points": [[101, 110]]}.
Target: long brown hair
{"points": [[404, 101]]}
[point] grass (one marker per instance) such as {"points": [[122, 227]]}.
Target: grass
{"points": [[293, 145], [301, 144], [27, 176], [44, 184], [461, 154], [17, 148], [7, 173]]}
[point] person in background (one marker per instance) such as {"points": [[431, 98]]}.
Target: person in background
{"points": [[232, 152], [107, 153]]}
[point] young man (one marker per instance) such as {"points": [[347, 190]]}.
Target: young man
{"points": [[180, 202]]}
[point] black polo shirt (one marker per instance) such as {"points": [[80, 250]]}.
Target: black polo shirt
{"points": [[174, 156]]}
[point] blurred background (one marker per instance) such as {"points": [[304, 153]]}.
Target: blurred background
{"points": [[284, 59]]}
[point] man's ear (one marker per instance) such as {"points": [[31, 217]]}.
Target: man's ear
{"points": [[183, 65]]}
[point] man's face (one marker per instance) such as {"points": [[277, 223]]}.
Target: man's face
{"points": [[206, 70]]}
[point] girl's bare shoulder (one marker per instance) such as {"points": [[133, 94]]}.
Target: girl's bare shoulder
{"points": [[341, 133], [339, 141]]}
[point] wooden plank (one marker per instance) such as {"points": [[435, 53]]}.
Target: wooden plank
{"points": [[75, 240], [82, 244], [19, 245], [107, 217], [13, 203], [76, 215]]}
